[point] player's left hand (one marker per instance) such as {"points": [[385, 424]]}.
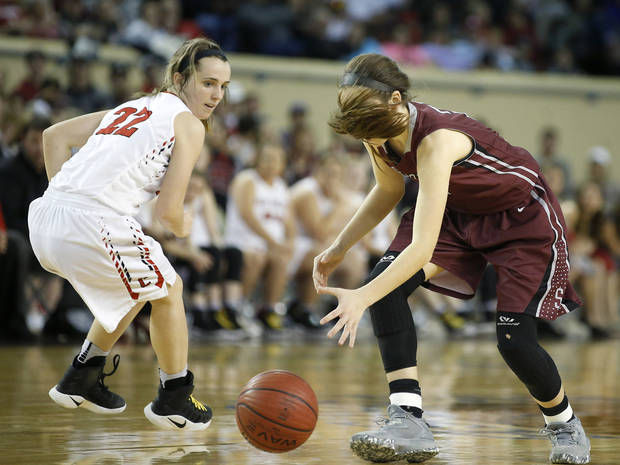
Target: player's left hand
{"points": [[349, 312]]}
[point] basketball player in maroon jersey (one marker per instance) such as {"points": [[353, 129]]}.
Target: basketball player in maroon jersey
{"points": [[481, 200]]}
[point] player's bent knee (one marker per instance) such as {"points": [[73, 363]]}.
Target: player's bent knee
{"points": [[234, 263], [516, 342]]}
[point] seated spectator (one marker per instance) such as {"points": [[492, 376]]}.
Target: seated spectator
{"points": [[214, 282], [549, 158], [599, 173], [222, 165], [301, 154], [598, 244], [14, 260], [23, 179], [147, 33], [259, 223], [318, 205], [30, 86], [82, 92]]}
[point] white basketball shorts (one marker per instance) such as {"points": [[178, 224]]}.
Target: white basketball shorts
{"points": [[106, 257]]}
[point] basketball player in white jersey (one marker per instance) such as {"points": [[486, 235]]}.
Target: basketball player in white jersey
{"points": [[83, 228], [259, 223], [318, 206]]}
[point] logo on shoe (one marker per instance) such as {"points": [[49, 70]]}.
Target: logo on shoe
{"points": [[507, 321], [178, 425], [77, 404]]}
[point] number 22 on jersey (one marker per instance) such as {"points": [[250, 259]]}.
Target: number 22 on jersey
{"points": [[127, 130]]}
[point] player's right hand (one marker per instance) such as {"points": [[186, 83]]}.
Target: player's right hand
{"points": [[324, 264]]}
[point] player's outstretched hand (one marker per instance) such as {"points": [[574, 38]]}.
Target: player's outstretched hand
{"points": [[349, 312], [324, 264]]}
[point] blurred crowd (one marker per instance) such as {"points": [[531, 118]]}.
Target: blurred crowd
{"points": [[567, 36], [266, 201]]}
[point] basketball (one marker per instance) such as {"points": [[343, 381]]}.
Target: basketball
{"points": [[276, 411]]}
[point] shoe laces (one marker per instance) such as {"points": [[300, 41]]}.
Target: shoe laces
{"points": [[394, 419], [102, 375], [199, 405], [564, 434]]}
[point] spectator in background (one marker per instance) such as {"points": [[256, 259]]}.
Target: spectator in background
{"points": [[119, 85], [243, 144], [82, 93], [318, 205], [152, 72], [23, 179], [301, 155], [260, 224], [35, 19], [50, 100], [147, 33], [549, 158], [297, 120], [217, 293], [599, 243], [223, 165], [599, 173], [14, 259], [30, 86]]}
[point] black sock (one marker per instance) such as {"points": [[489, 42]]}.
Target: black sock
{"points": [[561, 413]]}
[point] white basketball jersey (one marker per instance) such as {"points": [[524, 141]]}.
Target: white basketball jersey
{"points": [[199, 236], [325, 204], [270, 207], [123, 163]]}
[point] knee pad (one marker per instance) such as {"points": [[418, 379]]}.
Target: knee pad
{"points": [[234, 262], [212, 274], [392, 321], [518, 345]]}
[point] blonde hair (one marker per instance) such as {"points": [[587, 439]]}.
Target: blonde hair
{"points": [[364, 110]]}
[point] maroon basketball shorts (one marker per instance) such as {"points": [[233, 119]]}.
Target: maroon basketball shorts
{"points": [[526, 245]]}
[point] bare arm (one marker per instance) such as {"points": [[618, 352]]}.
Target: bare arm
{"points": [[436, 155], [382, 198], [59, 139], [189, 133], [306, 209], [243, 194]]}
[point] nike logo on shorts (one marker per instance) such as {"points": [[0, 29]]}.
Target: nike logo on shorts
{"points": [[520, 209], [178, 425]]}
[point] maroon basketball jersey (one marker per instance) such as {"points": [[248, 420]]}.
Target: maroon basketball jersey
{"points": [[493, 177]]}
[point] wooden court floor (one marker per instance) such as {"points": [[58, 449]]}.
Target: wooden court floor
{"points": [[479, 413]]}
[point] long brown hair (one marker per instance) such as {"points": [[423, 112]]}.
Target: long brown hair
{"points": [[364, 110], [184, 61], [185, 58]]}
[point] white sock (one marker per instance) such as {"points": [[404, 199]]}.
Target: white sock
{"points": [[163, 376], [90, 350], [410, 399], [561, 417]]}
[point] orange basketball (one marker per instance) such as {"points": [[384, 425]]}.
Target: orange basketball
{"points": [[276, 411]]}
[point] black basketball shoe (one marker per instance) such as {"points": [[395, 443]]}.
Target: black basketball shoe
{"points": [[82, 386], [303, 316], [176, 409]]}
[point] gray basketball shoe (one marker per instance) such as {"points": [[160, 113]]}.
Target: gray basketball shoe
{"points": [[401, 437], [569, 443]]}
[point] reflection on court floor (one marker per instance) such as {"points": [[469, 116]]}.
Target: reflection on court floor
{"points": [[479, 412]]}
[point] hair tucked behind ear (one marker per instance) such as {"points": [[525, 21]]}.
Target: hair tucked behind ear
{"points": [[364, 110], [184, 60]]}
